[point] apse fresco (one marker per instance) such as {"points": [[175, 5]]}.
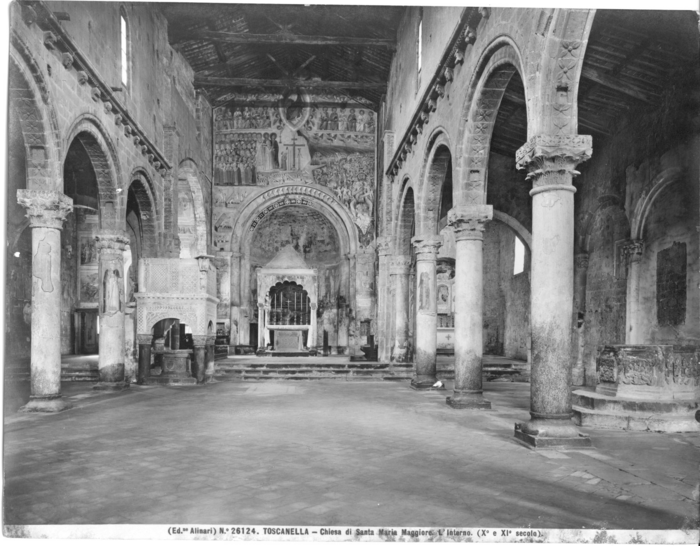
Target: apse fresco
{"points": [[296, 138]]}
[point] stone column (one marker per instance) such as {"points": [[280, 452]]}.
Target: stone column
{"points": [[383, 334], [110, 245], [211, 363], [262, 325], [425, 355], [578, 338], [199, 360], [312, 335], [400, 269], [46, 210], [551, 161], [634, 249], [144, 341], [468, 223]]}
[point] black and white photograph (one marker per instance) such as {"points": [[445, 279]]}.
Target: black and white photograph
{"points": [[352, 272]]}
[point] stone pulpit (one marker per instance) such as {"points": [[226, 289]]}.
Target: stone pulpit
{"points": [[287, 303]]}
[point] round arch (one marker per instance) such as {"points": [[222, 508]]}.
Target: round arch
{"points": [[103, 156], [142, 188], [28, 94], [661, 181], [257, 207], [520, 230], [405, 219], [192, 219], [436, 167], [497, 65]]}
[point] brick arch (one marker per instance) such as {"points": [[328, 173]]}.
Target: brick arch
{"points": [[142, 187], [29, 96], [438, 160], [405, 220], [103, 155], [499, 61], [188, 181]]}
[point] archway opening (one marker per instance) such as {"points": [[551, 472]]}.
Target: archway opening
{"points": [[79, 259]]}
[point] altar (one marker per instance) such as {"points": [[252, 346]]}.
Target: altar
{"points": [[287, 303]]}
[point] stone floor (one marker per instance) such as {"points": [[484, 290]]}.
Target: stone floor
{"points": [[331, 453]]}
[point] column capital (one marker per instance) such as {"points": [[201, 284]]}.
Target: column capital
{"points": [[548, 156], [211, 340], [426, 247], [384, 246], [113, 241], [199, 340], [581, 260], [47, 209], [223, 254], [469, 221], [633, 250], [144, 339], [400, 265]]}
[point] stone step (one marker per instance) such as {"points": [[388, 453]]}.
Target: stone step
{"points": [[664, 415]]}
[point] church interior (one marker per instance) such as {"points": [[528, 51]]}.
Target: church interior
{"points": [[352, 265]]}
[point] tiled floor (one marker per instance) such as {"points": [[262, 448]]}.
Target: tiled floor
{"points": [[331, 453]]}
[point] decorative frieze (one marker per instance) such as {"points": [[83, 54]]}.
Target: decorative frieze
{"points": [[56, 39], [108, 241]]}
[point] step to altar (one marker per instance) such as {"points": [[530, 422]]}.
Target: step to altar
{"points": [[310, 368]]}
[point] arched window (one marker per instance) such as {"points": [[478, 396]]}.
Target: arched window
{"points": [[124, 46]]}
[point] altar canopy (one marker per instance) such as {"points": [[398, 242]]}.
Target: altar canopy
{"points": [[287, 303]]}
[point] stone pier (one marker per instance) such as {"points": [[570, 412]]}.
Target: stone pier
{"points": [[400, 268], [469, 222], [551, 161], [110, 245], [425, 354], [46, 210]]}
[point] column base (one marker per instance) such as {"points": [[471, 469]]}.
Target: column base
{"points": [[46, 404], [400, 355], [468, 401], [423, 383], [111, 386], [209, 378], [551, 434]]}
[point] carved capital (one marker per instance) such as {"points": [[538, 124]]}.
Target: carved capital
{"points": [[47, 209], [82, 77], [144, 339], [469, 221], [427, 247], [50, 40], [546, 157], [203, 262], [400, 265], [199, 340], [383, 246], [211, 340], [581, 260], [633, 250], [111, 241]]}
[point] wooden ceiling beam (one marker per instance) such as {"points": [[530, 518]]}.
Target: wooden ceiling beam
{"points": [[614, 83], [310, 84], [284, 38]]}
